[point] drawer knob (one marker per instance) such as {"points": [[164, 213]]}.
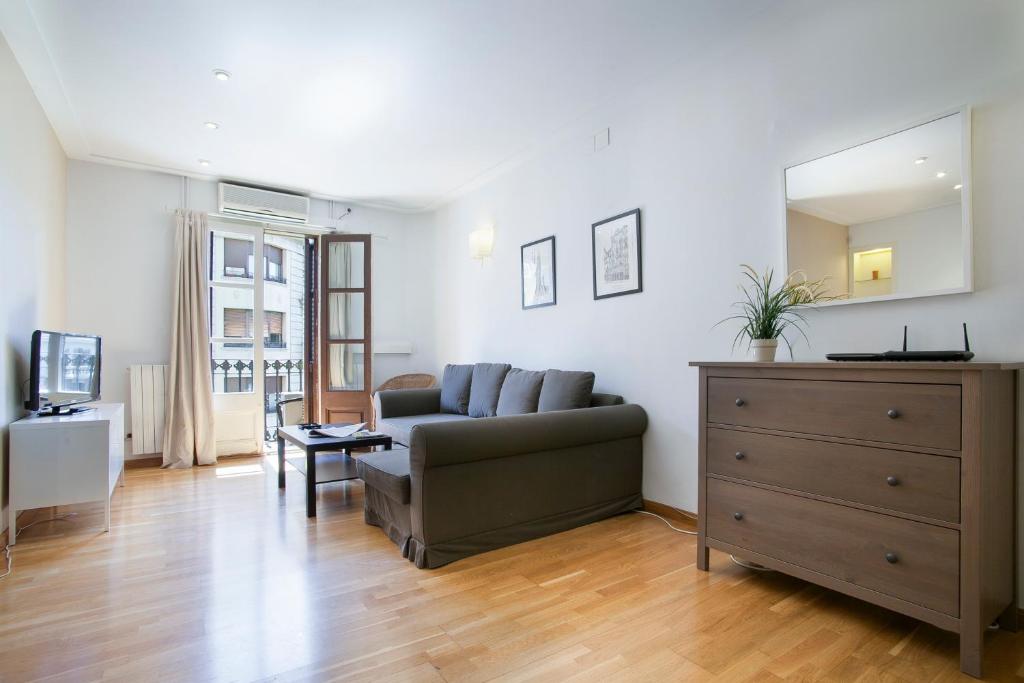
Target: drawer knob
{"points": [[740, 402], [893, 413], [740, 455], [892, 481], [737, 516], [892, 558]]}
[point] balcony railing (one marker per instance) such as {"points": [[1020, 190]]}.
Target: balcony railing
{"points": [[280, 378]]}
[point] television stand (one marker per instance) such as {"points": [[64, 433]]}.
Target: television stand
{"points": [[65, 459]]}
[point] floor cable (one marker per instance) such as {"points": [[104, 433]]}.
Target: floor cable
{"points": [[742, 563], [7, 548]]}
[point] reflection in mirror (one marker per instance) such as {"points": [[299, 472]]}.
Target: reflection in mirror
{"points": [[883, 219]]}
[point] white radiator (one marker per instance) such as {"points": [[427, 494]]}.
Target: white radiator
{"points": [[148, 394]]}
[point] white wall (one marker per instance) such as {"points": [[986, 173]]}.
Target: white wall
{"points": [[32, 197], [700, 149], [120, 245]]}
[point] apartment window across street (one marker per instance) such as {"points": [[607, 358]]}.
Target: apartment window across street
{"points": [[237, 258], [273, 330], [273, 263], [238, 323]]}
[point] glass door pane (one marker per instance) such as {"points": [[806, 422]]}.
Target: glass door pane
{"points": [[231, 311], [345, 261], [346, 363], [345, 315], [284, 325]]}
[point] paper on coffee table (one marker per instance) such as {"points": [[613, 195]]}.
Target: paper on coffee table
{"points": [[342, 432]]}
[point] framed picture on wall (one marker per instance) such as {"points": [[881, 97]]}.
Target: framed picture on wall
{"points": [[618, 266], [537, 273]]}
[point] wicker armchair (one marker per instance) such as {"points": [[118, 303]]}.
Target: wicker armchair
{"points": [[416, 380]]}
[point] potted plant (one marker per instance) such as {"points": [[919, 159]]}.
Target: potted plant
{"points": [[768, 312]]}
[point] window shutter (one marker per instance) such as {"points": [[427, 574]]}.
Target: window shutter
{"points": [[274, 322], [237, 322]]}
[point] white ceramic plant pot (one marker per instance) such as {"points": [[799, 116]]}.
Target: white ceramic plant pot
{"points": [[763, 350]]}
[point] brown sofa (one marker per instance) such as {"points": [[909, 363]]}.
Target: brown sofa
{"points": [[468, 485]]}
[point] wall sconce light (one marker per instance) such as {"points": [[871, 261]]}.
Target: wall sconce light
{"points": [[481, 243]]}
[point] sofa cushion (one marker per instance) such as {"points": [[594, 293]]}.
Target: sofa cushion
{"points": [[565, 390], [520, 392], [455, 389], [388, 472], [400, 428], [486, 386]]}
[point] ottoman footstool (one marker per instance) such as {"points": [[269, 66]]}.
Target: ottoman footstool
{"points": [[386, 498]]}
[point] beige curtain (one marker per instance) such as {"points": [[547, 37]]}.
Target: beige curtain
{"points": [[188, 426]]}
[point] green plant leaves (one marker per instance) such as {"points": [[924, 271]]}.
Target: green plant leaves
{"points": [[767, 313]]}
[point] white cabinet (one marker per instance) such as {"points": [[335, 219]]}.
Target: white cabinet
{"points": [[66, 459]]}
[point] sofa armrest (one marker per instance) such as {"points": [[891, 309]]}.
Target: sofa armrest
{"points": [[451, 443], [401, 402]]}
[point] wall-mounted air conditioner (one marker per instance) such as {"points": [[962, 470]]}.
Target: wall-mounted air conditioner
{"points": [[252, 202]]}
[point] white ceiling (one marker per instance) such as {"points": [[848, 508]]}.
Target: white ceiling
{"points": [[397, 103], [880, 179]]}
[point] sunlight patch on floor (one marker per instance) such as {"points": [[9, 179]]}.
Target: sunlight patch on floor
{"points": [[238, 470]]}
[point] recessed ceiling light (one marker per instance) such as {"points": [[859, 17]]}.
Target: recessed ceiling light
{"points": [[920, 160], [221, 74], [957, 186], [212, 125], [204, 162], [940, 174]]}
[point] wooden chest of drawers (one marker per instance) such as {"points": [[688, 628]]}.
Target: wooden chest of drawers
{"points": [[890, 482]]}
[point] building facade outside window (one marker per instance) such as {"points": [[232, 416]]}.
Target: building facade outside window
{"points": [[232, 316]]}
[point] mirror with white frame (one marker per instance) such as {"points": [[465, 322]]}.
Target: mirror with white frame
{"points": [[888, 219]]}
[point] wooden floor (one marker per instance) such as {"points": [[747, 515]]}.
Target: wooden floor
{"points": [[212, 575]]}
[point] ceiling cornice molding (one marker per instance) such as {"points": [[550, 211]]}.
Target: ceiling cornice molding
{"points": [[185, 173], [21, 31]]}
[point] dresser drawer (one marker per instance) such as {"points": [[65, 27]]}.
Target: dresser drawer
{"points": [[922, 566], [914, 483], [911, 414]]}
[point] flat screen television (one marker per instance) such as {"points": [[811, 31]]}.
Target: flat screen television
{"points": [[65, 370]]}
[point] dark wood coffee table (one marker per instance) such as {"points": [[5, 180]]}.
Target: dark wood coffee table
{"points": [[335, 462]]}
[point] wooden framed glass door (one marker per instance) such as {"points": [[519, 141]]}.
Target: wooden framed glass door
{"points": [[345, 332]]}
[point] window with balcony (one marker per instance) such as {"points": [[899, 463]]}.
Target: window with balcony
{"points": [[273, 330]]}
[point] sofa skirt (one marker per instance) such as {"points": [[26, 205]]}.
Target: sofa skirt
{"points": [[392, 517], [395, 520]]}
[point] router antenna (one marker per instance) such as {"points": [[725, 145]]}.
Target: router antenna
{"points": [[904, 337], [967, 343]]}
